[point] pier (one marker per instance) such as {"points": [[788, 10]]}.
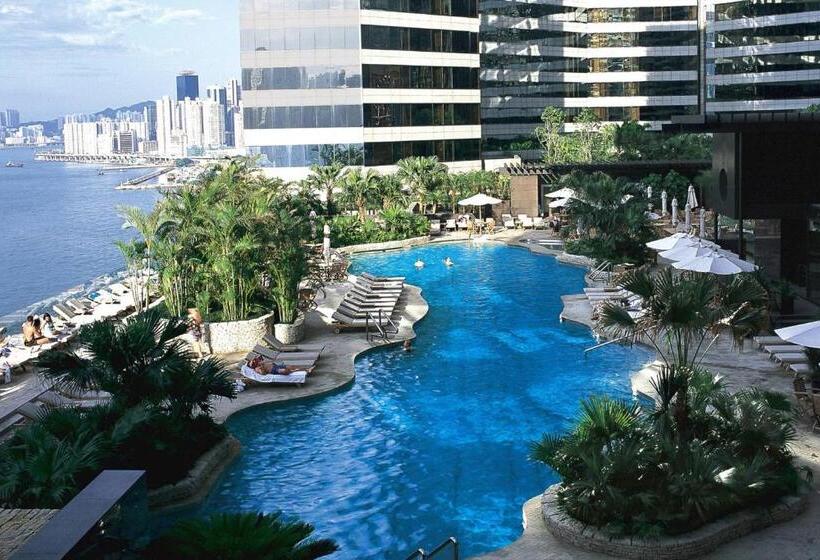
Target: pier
{"points": [[119, 159], [142, 179]]}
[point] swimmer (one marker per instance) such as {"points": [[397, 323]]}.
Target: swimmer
{"points": [[448, 262], [419, 264], [408, 346]]}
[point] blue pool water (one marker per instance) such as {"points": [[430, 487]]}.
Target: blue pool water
{"points": [[433, 443]]}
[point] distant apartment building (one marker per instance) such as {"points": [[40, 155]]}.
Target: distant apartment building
{"points": [[187, 85], [189, 127], [88, 135], [362, 83], [10, 118]]}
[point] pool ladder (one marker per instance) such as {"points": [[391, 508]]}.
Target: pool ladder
{"points": [[382, 326], [450, 543]]}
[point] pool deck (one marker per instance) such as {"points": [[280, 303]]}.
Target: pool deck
{"points": [[739, 368], [335, 369]]}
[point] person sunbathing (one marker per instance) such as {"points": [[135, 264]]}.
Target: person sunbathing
{"points": [[269, 367], [29, 333], [39, 338]]}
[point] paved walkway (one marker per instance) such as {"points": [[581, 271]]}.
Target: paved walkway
{"points": [[18, 525]]}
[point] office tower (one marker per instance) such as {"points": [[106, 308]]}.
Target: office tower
{"points": [[234, 93], [761, 56], [187, 85], [3, 118], [125, 142], [219, 95], [361, 85], [12, 118], [150, 117]]}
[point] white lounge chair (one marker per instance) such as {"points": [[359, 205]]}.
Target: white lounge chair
{"points": [[762, 341], [800, 369], [788, 358], [526, 223], [538, 223], [451, 225], [435, 228], [782, 348], [296, 378]]}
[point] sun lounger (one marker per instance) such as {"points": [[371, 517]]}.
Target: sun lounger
{"points": [[344, 319], [274, 343], [538, 222], [297, 377], [761, 341], [301, 359], [30, 410], [800, 368], [78, 306], [368, 276], [527, 223], [786, 359], [782, 348], [356, 311], [451, 225]]}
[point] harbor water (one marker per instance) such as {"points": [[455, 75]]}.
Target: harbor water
{"points": [[58, 224]]}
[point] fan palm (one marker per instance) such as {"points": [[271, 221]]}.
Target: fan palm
{"points": [[142, 361], [327, 179], [421, 175], [241, 536], [360, 189]]}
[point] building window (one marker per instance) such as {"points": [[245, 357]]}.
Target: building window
{"points": [[388, 153], [412, 39], [307, 155], [309, 116], [421, 114]]}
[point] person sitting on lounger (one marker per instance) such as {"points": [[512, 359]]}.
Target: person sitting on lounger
{"points": [[39, 338], [269, 367], [29, 334], [49, 330]]}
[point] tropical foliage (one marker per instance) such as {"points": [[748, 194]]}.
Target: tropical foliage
{"points": [[422, 176], [214, 243], [610, 218], [586, 139], [700, 452], [157, 418], [240, 536]]}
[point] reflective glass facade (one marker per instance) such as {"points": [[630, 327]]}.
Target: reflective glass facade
{"points": [[460, 8]]}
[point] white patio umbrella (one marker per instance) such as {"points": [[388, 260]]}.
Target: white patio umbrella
{"points": [[687, 216], [479, 200], [807, 334], [671, 242], [560, 203], [663, 203], [691, 199], [566, 192], [716, 263], [687, 252], [674, 212], [703, 222]]}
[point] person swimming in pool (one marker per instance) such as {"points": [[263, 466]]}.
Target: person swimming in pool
{"points": [[419, 264], [448, 262]]}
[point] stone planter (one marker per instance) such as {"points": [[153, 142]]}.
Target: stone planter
{"points": [[290, 333], [238, 336]]}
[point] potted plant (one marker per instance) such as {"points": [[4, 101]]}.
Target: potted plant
{"points": [[288, 265], [787, 295]]}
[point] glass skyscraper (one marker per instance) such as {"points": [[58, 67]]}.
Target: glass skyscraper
{"points": [[367, 82], [187, 85]]}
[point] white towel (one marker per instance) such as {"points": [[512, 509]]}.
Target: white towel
{"points": [[295, 377]]}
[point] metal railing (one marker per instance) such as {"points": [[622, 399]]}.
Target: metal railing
{"points": [[603, 270], [450, 543], [382, 326]]}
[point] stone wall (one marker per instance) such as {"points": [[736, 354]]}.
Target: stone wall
{"points": [[385, 246], [194, 487], [238, 336], [577, 260], [688, 545]]}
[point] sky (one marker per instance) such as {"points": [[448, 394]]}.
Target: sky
{"points": [[59, 57]]}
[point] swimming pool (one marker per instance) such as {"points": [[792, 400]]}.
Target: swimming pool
{"points": [[433, 443]]}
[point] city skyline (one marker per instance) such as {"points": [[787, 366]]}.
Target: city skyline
{"points": [[130, 49]]}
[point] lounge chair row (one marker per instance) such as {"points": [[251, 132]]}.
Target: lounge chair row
{"points": [[790, 356], [371, 300], [302, 356]]}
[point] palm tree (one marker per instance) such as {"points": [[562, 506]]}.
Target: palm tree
{"points": [[391, 192], [360, 189], [141, 361], [148, 225], [680, 312], [327, 178], [241, 536], [421, 175]]}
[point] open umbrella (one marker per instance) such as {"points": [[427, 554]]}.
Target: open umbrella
{"points": [[691, 199], [560, 203], [807, 334], [674, 240], [561, 193], [716, 263], [688, 252], [479, 200]]}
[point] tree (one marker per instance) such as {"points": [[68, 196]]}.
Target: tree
{"points": [[241, 536], [421, 175], [549, 135], [360, 189], [141, 361], [391, 192], [633, 141], [327, 179]]}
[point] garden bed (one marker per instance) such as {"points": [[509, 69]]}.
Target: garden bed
{"points": [[238, 336], [687, 545], [385, 245]]}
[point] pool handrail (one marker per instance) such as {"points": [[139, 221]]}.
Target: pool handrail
{"points": [[420, 554]]}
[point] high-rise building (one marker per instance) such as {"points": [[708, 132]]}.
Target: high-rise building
{"points": [[367, 83], [234, 93], [12, 119], [187, 85], [150, 118], [191, 124]]}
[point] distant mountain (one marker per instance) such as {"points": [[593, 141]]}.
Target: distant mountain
{"points": [[51, 126]]}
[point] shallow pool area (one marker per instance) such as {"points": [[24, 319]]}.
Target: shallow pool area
{"points": [[433, 443]]}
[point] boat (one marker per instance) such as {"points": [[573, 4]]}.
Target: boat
{"points": [[13, 164]]}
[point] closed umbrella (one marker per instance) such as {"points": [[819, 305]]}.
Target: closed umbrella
{"points": [[703, 222], [687, 216], [663, 203], [561, 193], [691, 199], [674, 212], [479, 200], [807, 334], [716, 263]]}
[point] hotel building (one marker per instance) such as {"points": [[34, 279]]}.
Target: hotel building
{"points": [[367, 82]]}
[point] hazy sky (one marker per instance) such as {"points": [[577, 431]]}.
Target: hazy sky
{"points": [[75, 56]]}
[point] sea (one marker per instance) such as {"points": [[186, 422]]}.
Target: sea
{"points": [[58, 225]]}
